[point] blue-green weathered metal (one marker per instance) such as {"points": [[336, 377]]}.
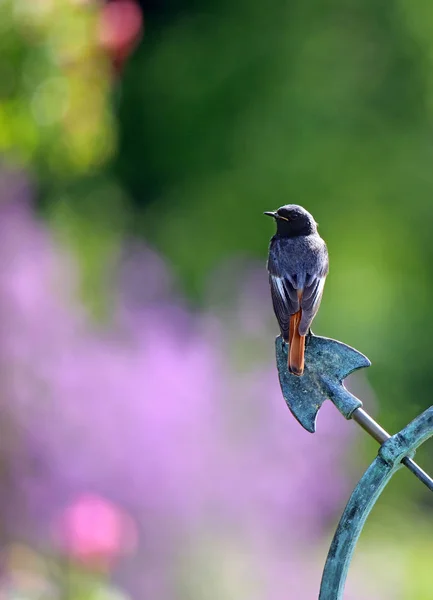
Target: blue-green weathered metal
{"points": [[363, 499], [327, 363]]}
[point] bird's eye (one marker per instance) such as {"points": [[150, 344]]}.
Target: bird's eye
{"points": [[293, 216]]}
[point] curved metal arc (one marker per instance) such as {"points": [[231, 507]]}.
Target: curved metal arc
{"points": [[350, 526], [364, 498]]}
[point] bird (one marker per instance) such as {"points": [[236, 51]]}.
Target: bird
{"points": [[298, 265]]}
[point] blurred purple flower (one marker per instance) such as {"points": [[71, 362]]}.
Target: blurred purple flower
{"points": [[154, 413]]}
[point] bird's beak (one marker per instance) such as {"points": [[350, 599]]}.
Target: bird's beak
{"points": [[276, 216]]}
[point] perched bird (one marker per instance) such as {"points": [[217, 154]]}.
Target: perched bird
{"points": [[298, 266]]}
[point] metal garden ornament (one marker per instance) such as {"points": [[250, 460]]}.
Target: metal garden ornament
{"points": [[327, 363]]}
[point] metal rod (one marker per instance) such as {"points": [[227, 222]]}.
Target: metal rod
{"points": [[418, 472], [380, 435], [370, 426]]}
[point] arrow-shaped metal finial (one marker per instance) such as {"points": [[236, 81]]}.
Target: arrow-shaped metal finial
{"points": [[327, 363]]}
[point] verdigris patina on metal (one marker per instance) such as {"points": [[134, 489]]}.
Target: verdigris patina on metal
{"points": [[368, 490], [327, 363]]}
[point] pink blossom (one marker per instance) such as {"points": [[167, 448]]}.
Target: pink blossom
{"points": [[95, 531]]}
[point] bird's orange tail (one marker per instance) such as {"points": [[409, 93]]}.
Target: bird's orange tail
{"points": [[296, 346]]}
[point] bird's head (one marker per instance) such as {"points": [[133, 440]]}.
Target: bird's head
{"points": [[293, 220]]}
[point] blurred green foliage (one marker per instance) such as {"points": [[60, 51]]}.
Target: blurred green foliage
{"points": [[243, 107], [54, 112]]}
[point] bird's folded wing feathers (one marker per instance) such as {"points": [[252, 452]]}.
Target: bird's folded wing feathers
{"points": [[287, 300], [312, 294]]}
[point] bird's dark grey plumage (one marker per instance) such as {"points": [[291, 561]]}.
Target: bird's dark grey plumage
{"points": [[298, 266]]}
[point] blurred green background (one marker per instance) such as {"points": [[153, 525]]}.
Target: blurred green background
{"points": [[184, 127]]}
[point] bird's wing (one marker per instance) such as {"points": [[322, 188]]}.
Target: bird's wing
{"points": [[311, 297], [285, 300]]}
